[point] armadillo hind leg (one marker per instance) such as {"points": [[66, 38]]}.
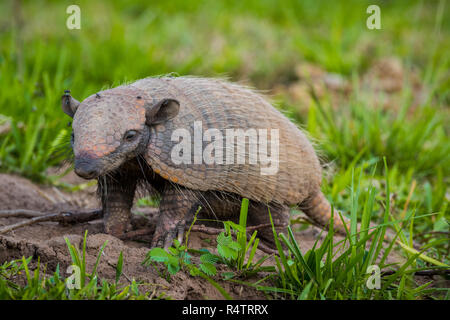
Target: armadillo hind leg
{"points": [[259, 215], [318, 209], [223, 206], [117, 193], [177, 208]]}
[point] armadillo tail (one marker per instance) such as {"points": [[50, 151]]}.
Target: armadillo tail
{"points": [[318, 209]]}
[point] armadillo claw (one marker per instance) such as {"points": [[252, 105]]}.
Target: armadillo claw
{"points": [[164, 239], [180, 232]]}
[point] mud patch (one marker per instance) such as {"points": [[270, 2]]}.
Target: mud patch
{"points": [[46, 241], [383, 84]]}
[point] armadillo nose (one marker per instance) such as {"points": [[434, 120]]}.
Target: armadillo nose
{"points": [[86, 168]]}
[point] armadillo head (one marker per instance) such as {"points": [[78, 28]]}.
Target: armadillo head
{"points": [[112, 127]]}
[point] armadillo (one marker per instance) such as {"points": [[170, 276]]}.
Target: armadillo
{"points": [[133, 133]]}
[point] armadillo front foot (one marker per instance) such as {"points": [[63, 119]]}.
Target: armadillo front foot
{"points": [[117, 222], [166, 231], [176, 210]]}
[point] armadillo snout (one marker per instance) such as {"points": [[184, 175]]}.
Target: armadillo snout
{"points": [[87, 168]]}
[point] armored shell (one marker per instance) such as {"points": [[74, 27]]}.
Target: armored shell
{"points": [[221, 105]]}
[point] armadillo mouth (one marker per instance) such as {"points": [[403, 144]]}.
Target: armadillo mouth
{"points": [[87, 168]]}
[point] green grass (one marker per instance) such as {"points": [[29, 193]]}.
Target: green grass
{"points": [[41, 286], [330, 270], [261, 42], [236, 255], [340, 270]]}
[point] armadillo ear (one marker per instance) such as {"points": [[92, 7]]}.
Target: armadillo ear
{"points": [[69, 105], [162, 111]]}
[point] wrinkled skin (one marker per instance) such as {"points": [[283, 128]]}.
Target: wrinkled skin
{"points": [[111, 130], [123, 137], [100, 147]]}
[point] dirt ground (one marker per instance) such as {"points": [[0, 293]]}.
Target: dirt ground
{"points": [[46, 240]]}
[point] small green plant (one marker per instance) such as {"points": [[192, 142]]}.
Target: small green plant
{"points": [[177, 257], [238, 255], [173, 259], [79, 260], [229, 252]]}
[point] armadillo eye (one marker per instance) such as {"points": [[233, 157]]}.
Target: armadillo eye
{"points": [[130, 135]]}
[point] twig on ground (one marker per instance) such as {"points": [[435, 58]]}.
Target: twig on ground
{"points": [[136, 233], [64, 217], [20, 213]]}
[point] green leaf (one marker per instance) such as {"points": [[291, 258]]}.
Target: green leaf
{"points": [[228, 275], [305, 292], [208, 268], [223, 240], [208, 258], [134, 288], [158, 255], [441, 225], [119, 267], [186, 258], [173, 268], [194, 271], [226, 252], [94, 270], [235, 246], [240, 229]]}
